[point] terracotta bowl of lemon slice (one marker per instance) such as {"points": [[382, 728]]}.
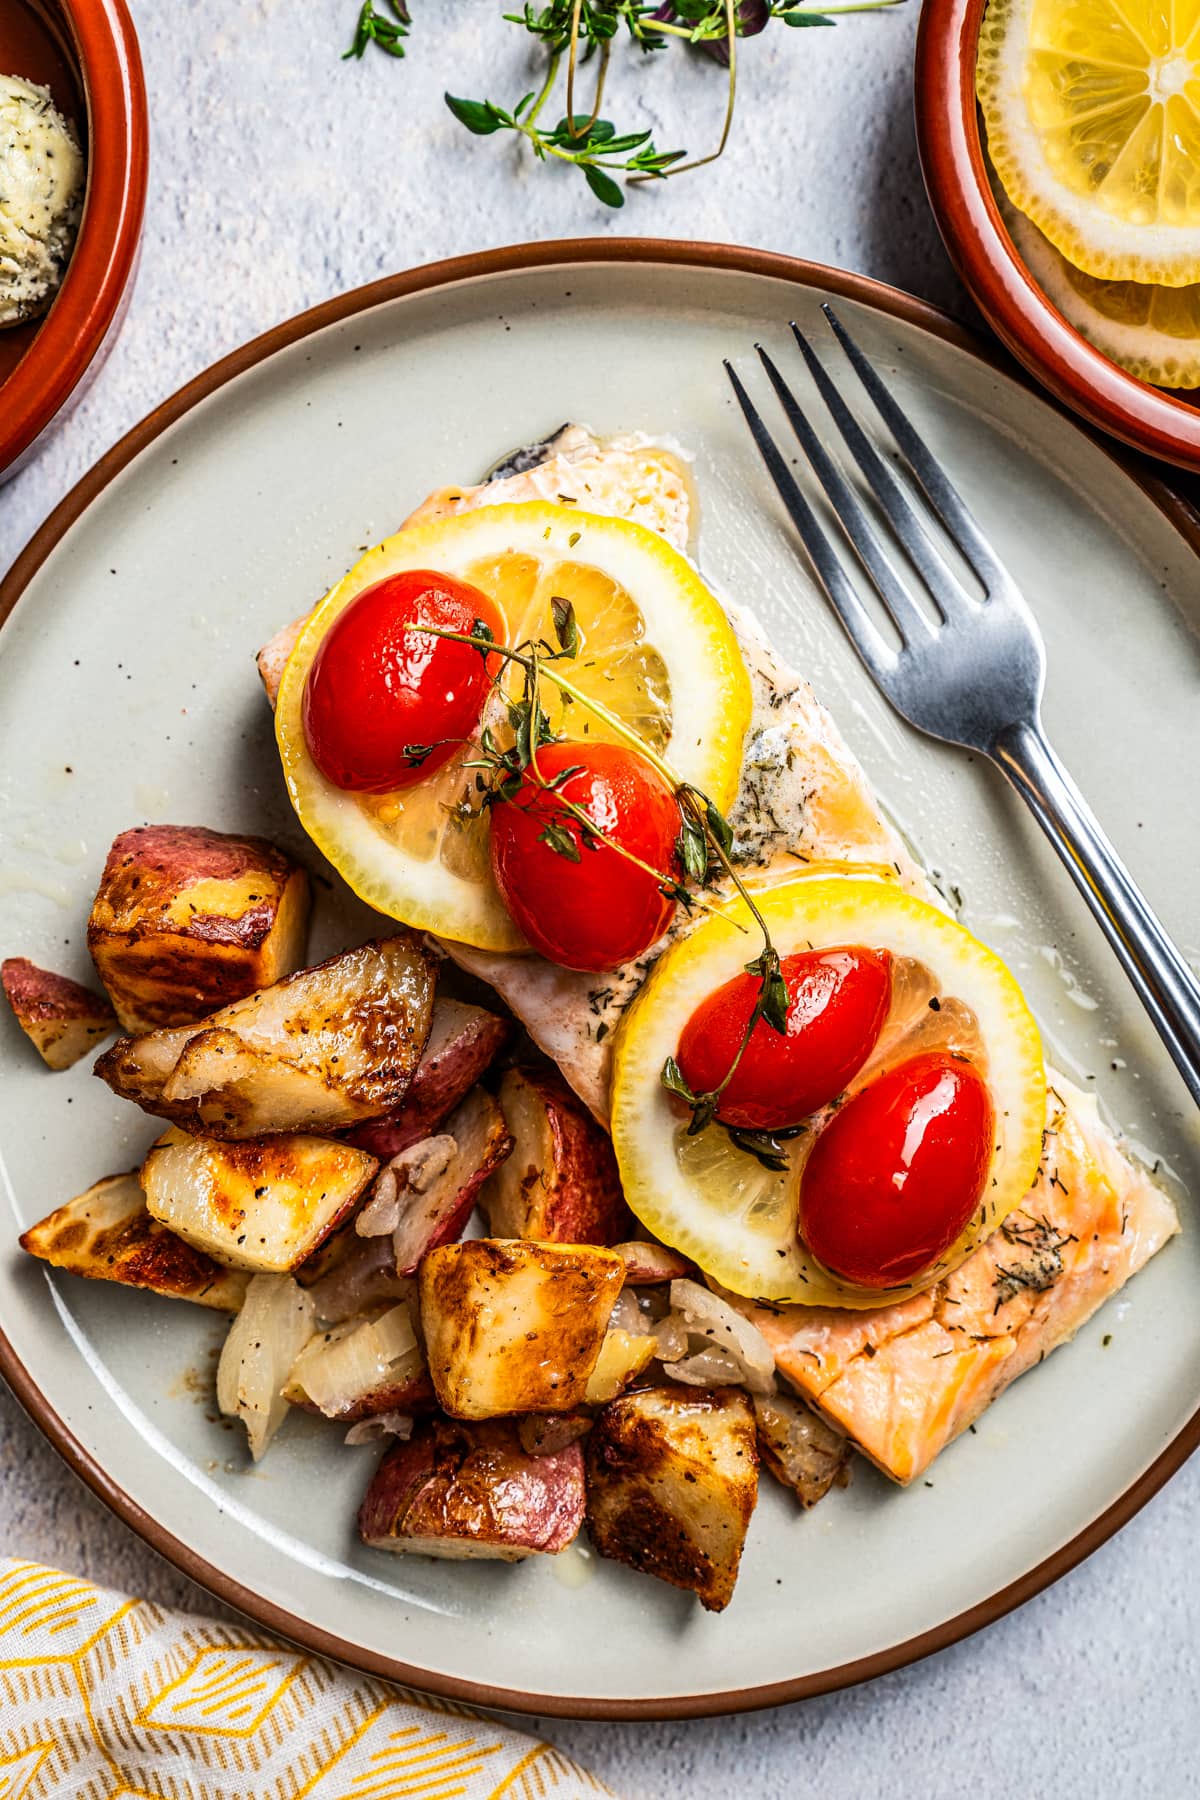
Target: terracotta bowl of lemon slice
{"points": [[1060, 143]]}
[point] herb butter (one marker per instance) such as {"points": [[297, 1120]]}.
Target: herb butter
{"points": [[41, 189]]}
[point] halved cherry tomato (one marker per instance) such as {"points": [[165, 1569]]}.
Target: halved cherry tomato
{"points": [[590, 908], [385, 705], [837, 1002], [897, 1173]]}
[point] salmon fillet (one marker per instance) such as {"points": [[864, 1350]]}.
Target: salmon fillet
{"points": [[904, 1380]]}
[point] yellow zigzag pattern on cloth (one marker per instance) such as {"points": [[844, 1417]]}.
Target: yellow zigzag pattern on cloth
{"points": [[106, 1698]]}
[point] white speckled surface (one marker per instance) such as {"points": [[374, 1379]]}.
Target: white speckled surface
{"points": [[280, 176]]}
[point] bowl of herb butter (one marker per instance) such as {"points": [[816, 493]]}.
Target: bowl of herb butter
{"points": [[73, 160]]}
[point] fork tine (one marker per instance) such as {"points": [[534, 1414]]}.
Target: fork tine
{"points": [[879, 658], [943, 496], [909, 618], [948, 592]]}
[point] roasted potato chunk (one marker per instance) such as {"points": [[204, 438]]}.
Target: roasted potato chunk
{"points": [[320, 1050], [560, 1185], [800, 1448], [513, 1327], [471, 1491], [672, 1481], [187, 920], [62, 1019], [263, 1205], [107, 1234], [463, 1040]]}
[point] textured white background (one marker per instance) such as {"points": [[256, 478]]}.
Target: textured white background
{"points": [[279, 176]]}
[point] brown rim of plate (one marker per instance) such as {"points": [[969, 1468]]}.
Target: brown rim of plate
{"points": [[517, 258], [89, 304], [956, 177]]}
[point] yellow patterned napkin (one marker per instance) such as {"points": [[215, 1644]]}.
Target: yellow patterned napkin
{"points": [[102, 1697]]}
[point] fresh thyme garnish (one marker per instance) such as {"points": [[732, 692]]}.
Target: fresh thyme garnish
{"points": [[574, 32], [705, 839], [377, 28]]}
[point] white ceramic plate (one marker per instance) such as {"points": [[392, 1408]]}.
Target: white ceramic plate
{"points": [[128, 693]]}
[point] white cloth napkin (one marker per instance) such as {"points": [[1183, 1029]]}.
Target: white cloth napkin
{"points": [[103, 1697]]}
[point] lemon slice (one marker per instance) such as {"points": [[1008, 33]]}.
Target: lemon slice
{"points": [[1093, 120], [1153, 332], [718, 1204], [655, 648]]}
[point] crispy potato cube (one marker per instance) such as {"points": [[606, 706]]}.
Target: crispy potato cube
{"points": [[514, 1327], [107, 1234], [61, 1019], [560, 1185], [320, 1050], [801, 1450], [672, 1482], [187, 920], [463, 1040], [459, 1491], [263, 1205]]}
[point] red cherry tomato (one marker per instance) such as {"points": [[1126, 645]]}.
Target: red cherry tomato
{"points": [[837, 1002], [895, 1175], [378, 692], [601, 910]]}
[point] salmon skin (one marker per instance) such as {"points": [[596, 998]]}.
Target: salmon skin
{"points": [[904, 1380]]}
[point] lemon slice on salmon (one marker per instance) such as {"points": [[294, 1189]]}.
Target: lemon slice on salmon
{"points": [[718, 1204], [1153, 332], [1093, 120], [655, 648]]}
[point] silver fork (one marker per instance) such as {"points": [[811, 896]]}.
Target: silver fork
{"points": [[975, 675]]}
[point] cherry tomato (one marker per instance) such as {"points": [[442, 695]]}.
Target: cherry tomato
{"points": [[837, 1002], [379, 694], [595, 910], [895, 1175]]}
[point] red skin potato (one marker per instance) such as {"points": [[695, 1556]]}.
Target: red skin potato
{"points": [[561, 1184], [61, 1018], [440, 1216], [164, 961], [471, 1490], [647, 1265], [463, 1042]]}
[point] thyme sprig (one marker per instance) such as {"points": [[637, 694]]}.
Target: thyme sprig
{"points": [[387, 34], [705, 839], [576, 32]]}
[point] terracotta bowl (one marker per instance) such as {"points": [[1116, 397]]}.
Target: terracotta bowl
{"points": [[1163, 424], [86, 53]]}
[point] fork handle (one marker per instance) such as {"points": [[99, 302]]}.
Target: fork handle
{"points": [[1166, 986]]}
